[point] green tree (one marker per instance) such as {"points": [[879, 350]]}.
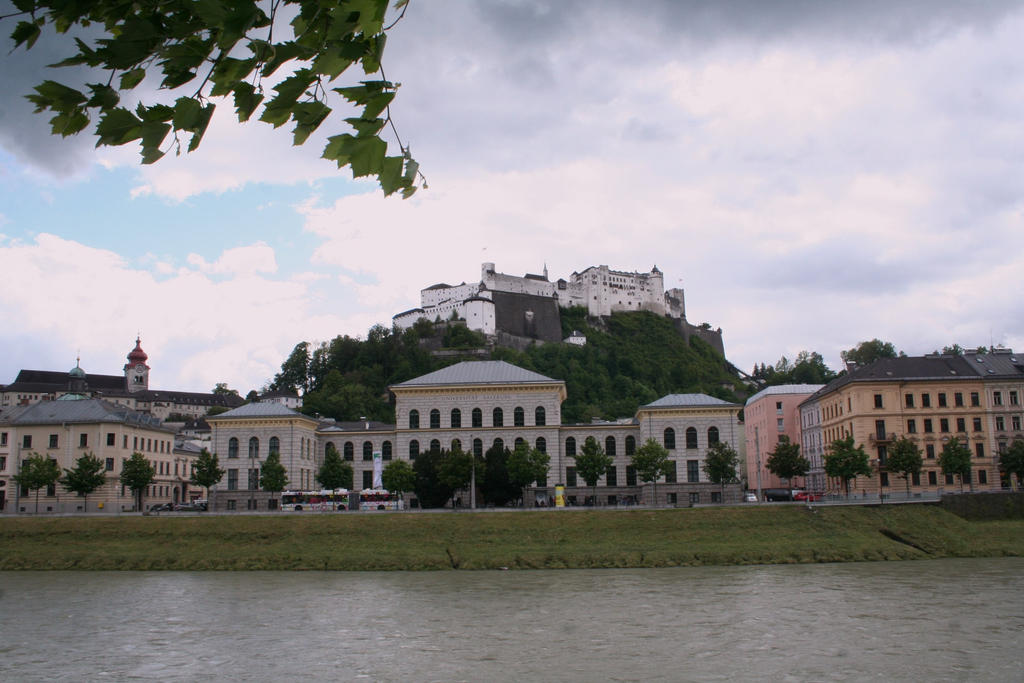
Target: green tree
{"points": [[456, 470], [868, 352], [1012, 461], [956, 459], [273, 476], [496, 485], [905, 459], [720, 465], [196, 51], [845, 461], [398, 477], [430, 491], [525, 466], [206, 471], [334, 473], [592, 463], [37, 472], [786, 462], [137, 474], [86, 476], [222, 389], [651, 463], [294, 373]]}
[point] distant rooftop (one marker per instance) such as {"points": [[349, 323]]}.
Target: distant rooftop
{"points": [[785, 389], [260, 410], [478, 372], [687, 400]]}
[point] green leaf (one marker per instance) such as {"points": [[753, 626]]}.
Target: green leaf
{"points": [[374, 52], [103, 96], [364, 155], [285, 52], [130, 79], [371, 95], [334, 59], [53, 95], [156, 113], [187, 112], [200, 128], [246, 100], [371, 15], [118, 126], [391, 174], [278, 110], [153, 134], [365, 127], [308, 117], [25, 32], [69, 122], [228, 72]]}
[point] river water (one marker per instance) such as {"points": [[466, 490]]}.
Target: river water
{"points": [[942, 620]]}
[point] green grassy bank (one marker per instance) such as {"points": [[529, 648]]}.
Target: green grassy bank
{"points": [[516, 540]]}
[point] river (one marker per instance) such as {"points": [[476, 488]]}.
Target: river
{"points": [[941, 620]]}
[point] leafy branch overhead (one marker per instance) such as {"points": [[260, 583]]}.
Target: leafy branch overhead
{"points": [[203, 49]]}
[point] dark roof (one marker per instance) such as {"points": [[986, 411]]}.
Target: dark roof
{"points": [[439, 285], [46, 381], [1000, 362], [533, 276], [189, 397], [280, 393], [411, 310], [259, 410], [78, 412], [935, 367]]}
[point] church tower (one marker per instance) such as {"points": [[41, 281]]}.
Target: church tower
{"points": [[136, 372]]}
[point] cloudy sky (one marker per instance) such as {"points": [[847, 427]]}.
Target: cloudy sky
{"points": [[813, 174]]}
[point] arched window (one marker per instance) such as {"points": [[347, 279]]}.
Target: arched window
{"points": [[712, 436], [670, 438], [456, 418], [254, 448], [385, 451], [478, 417], [275, 445], [414, 449], [328, 447], [414, 419], [435, 446], [542, 444], [609, 446], [232, 447], [498, 418], [367, 450], [539, 416], [519, 442], [691, 437], [349, 451], [570, 446], [518, 417], [435, 419], [478, 448], [499, 444], [630, 445], [456, 445]]}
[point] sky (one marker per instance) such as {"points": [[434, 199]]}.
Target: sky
{"points": [[812, 174]]}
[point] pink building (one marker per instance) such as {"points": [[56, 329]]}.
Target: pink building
{"points": [[769, 414]]}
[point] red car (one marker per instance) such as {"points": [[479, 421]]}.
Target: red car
{"points": [[810, 496]]}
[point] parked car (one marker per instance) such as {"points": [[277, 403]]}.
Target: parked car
{"points": [[775, 495], [750, 497], [186, 507], [161, 507], [807, 496]]}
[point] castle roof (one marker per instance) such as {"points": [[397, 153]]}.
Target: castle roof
{"points": [[478, 372], [439, 285]]}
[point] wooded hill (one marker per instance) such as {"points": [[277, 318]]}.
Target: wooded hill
{"points": [[630, 359]]}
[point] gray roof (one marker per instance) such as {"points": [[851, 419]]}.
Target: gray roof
{"points": [[349, 426], [260, 410], [79, 412], [479, 372], [785, 389], [688, 401], [998, 362]]}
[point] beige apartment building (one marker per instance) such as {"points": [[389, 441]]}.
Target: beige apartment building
{"points": [[65, 429]]}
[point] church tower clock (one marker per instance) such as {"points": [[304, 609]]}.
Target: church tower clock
{"points": [[136, 372]]}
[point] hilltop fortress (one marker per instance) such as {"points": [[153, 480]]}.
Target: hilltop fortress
{"points": [[516, 311]]}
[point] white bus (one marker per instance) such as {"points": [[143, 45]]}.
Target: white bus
{"points": [[325, 500], [379, 499]]}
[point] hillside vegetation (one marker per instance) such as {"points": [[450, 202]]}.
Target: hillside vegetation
{"points": [[630, 359]]}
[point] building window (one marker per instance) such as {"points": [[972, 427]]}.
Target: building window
{"points": [[385, 450], [542, 444], [1015, 422], [275, 445], [883, 478], [929, 451], [927, 425], [880, 430], [778, 407], [570, 476], [367, 479], [456, 418], [83, 440], [518, 417], [435, 446], [349, 451], [1013, 399], [780, 424], [942, 400], [232, 505], [979, 450], [414, 449], [630, 475], [982, 476], [414, 419], [111, 438], [997, 398], [53, 441], [933, 479], [435, 419], [540, 417], [609, 446], [254, 479], [478, 417], [670, 438], [944, 425], [611, 476], [712, 436], [926, 400], [958, 399], [518, 442], [498, 445], [878, 400], [570, 446], [961, 424], [232, 479], [630, 445], [692, 471], [109, 465], [911, 426], [694, 498], [670, 475], [691, 437], [497, 418], [910, 400], [949, 479], [976, 423], [254, 448], [3, 438], [478, 448], [26, 441], [975, 399], [882, 454], [915, 478], [367, 450]]}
